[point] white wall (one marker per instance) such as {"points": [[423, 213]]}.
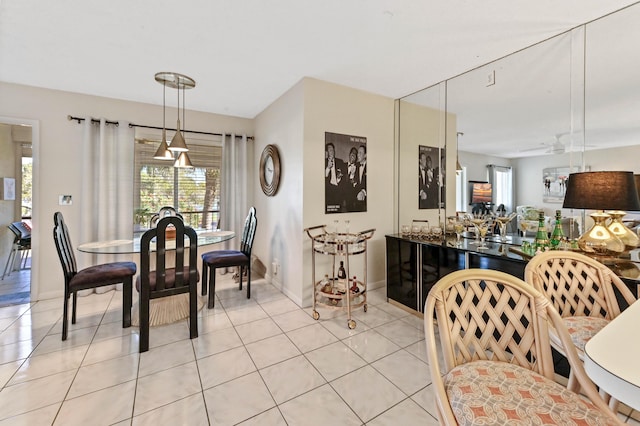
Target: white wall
{"points": [[56, 156], [529, 188]]}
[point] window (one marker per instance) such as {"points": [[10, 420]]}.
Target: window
{"points": [[502, 179], [461, 190], [194, 192]]}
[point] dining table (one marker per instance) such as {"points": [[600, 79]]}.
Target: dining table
{"points": [[611, 357], [167, 309]]}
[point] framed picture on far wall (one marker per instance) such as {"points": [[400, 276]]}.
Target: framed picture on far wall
{"points": [[554, 181], [7, 189]]}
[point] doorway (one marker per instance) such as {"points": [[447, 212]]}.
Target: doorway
{"points": [[16, 214]]}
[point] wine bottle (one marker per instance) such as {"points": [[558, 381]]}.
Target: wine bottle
{"points": [[342, 279], [542, 238], [557, 235]]}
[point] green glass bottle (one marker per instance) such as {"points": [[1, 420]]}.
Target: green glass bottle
{"points": [[542, 238], [557, 235]]}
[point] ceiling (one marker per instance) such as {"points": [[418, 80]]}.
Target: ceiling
{"points": [[245, 54]]}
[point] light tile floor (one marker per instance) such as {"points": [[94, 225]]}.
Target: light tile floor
{"points": [[262, 361]]}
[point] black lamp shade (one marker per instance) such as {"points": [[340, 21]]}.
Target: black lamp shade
{"points": [[602, 191]]}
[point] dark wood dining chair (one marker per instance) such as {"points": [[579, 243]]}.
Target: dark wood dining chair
{"points": [[229, 258], [168, 280], [21, 244], [90, 277], [163, 212]]}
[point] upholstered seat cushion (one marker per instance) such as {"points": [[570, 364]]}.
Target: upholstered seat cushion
{"points": [[170, 278], [498, 393], [108, 273], [221, 258], [581, 329]]}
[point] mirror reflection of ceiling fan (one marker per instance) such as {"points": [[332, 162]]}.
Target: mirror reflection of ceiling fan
{"points": [[555, 146]]}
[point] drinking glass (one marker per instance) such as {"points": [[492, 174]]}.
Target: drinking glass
{"points": [[483, 228], [458, 227], [424, 232], [477, 221], [503, 221]]}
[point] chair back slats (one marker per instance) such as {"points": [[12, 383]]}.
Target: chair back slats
{"points": [[249, 232], [484, 319], [504, 316], [159, 234], [577, 285], [64, 247]]}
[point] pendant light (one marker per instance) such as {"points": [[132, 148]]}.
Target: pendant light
{"points": [[177, 143], [178, 146], [163, 152], [183, 161]]}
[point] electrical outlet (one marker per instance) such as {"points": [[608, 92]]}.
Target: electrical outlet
{"points": [[491, 78]]}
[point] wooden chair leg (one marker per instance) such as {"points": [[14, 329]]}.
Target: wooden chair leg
{"points": [[73, 308], [65, 317], [127, 294], [241, 271], [573, 384], [193, 311], [144, 322], [212, 288], [205, 270], [249, 282]]}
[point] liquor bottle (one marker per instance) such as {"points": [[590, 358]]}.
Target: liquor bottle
{"points": [[326, 284], [354, 288], [542, 238], [342, 278], [557, 235], [342, 274]]}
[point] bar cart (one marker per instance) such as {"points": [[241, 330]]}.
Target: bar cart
{"points": [[332, 291]]}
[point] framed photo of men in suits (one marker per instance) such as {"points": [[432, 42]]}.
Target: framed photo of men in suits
{"points": [[345, 173], [430, 177]]}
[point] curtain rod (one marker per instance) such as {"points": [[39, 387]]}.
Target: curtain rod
{"points": [[96, 121], [93, 120]]}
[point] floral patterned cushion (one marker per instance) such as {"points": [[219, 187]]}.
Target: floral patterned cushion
{"points": [[498, 393], [581, 329]]}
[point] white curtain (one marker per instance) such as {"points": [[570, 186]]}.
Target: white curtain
{"points": [[106, 200], [234, 184]]}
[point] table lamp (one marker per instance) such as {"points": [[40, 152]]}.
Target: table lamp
{"points": [[601, 191]]}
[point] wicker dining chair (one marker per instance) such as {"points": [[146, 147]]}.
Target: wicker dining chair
{"points": [[498, 366], [582, 290]]}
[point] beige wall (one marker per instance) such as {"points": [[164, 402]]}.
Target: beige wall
{"points": [[55, 154], [279, 234], [296, 122], [338, 109], [7, 208]]}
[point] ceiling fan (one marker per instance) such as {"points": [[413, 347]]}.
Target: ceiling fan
{"points": [[556, 146]]}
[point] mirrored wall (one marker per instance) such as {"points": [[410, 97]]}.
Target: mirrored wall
{"points": [[569, 103]]}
